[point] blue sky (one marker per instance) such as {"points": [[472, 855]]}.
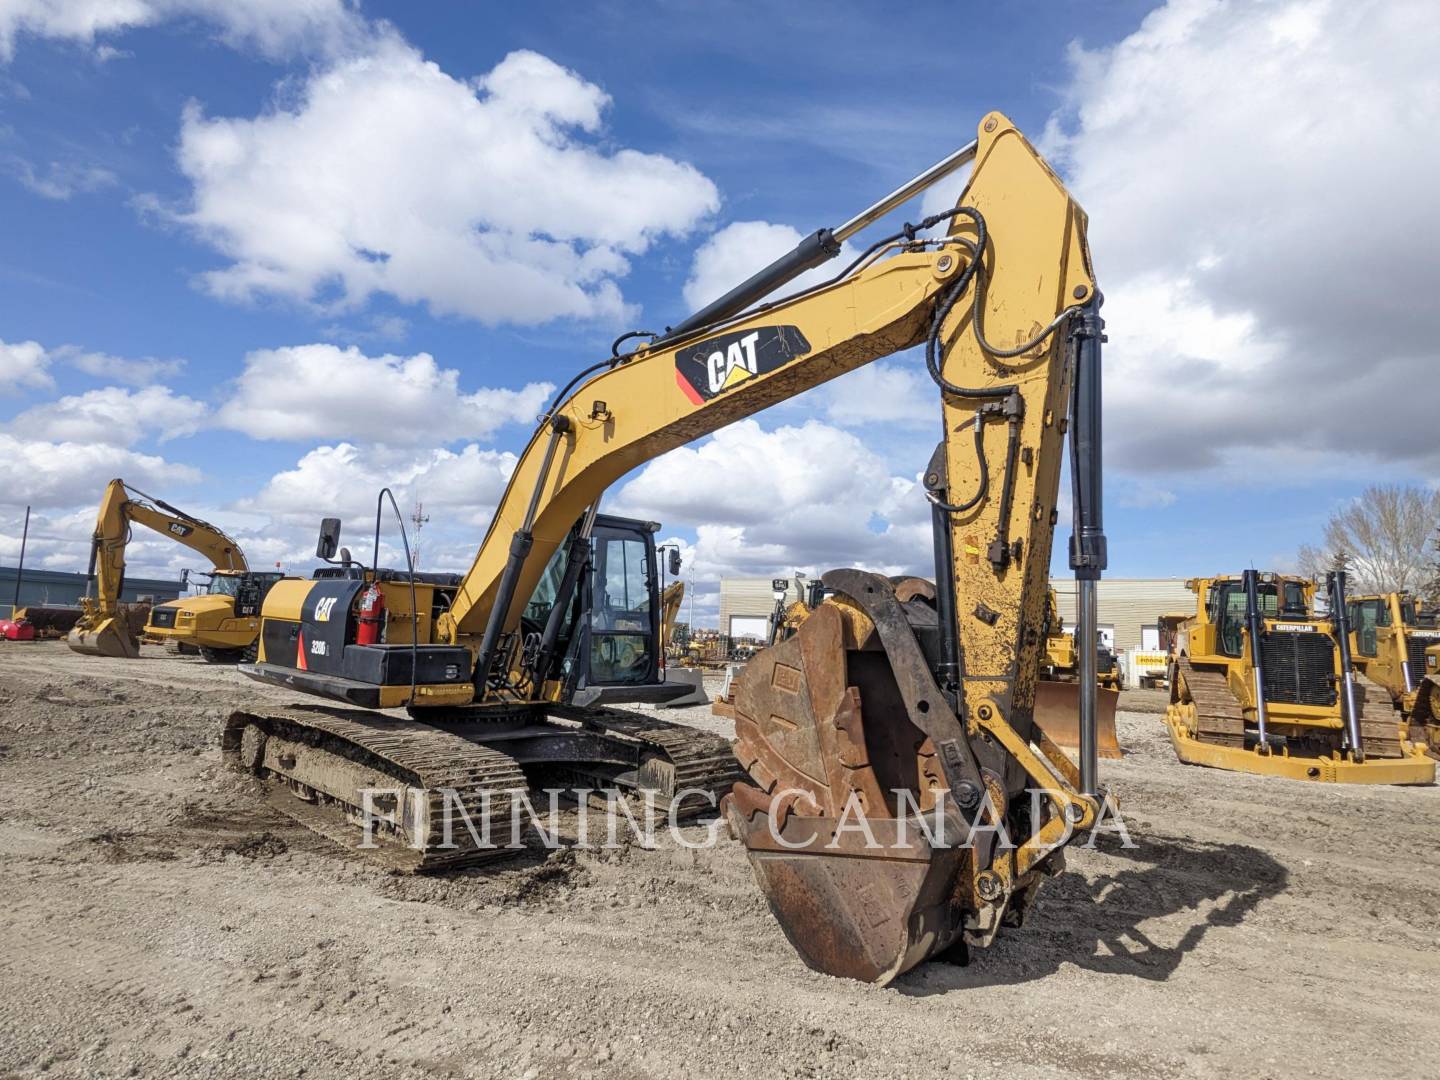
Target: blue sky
{"points": [[148, 162]]}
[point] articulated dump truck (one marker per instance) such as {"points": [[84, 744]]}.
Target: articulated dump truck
{"points": [[912, 708], [1260, 684]]}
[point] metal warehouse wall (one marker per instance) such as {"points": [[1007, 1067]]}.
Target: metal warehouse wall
{"points": [[1128, 603], [750, 596], [65, 590]]}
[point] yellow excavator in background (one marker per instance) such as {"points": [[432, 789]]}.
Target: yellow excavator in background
{"points": [[1259, 684], [102, 629], [671, 597], [916, 711], [1397, 645], [1055, 708]]}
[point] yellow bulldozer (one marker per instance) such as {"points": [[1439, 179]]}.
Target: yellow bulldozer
{"points": [[1259, 684], [1396, 645], [1055, 699], [912, 711], [222, 624]]}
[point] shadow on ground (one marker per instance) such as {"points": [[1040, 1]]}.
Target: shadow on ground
{"points": [[1094, 920]]}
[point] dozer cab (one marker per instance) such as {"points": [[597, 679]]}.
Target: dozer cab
{"points": [[912, 711], [1056, 699], [1396, 645], [103, 628], [1259, 684]]}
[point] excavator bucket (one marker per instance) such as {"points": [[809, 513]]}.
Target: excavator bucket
{"points": [[108, 637], [824, 727], [1057, 711]]}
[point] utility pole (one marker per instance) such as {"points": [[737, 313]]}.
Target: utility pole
{"points": [[419, 517], [20, 569]]}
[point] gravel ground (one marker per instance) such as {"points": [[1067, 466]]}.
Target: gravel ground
{"points": [[161, 921]]}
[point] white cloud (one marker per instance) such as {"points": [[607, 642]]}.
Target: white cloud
{"points": [[27, 364], [271, 27], [65, 474], [741, 248], [345, 480], [1257, 178], [883, 393], [810, 497], [24, 365], [141, 372], [60, 179], [111, 417], [497, 199], [324, 392]]}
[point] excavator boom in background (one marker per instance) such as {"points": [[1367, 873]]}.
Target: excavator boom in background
{"points": [[908, 703], [102, 628]]}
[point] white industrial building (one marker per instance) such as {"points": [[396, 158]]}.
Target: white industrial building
{"points": [[747, 604], [1129, 608]]}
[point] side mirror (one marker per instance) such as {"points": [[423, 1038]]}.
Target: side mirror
{"points": [[185, 578], [673, 565], [329, 541]]}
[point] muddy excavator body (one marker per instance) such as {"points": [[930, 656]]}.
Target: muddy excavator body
{"points": [[894, 707]]}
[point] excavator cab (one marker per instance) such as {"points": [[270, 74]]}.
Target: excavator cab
{"points": [[590, 630]]}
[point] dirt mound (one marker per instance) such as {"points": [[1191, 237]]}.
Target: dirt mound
{"points": [[162, 920]]}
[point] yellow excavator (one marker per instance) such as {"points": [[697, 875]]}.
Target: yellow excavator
{"points": [[1055, 709], [1397, 645], [671, 597], [102, 629], [914, 713], [1259, 684]]}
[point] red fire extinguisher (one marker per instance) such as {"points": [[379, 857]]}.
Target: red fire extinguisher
{"points": [[372, 615]]}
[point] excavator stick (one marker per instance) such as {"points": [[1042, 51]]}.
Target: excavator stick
{"points": [[1057, 711], [108, 637]]}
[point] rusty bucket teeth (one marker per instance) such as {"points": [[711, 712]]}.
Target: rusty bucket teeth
{"points": [[820, 727]]}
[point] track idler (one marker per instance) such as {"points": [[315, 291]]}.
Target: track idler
{"points": [[851, 748]]}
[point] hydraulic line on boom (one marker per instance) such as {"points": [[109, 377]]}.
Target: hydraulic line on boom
{"points": [[913, 702]]}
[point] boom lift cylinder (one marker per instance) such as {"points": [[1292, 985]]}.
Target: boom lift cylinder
{"points": [[1257, 664], [1340, 619], [1088, 552]]}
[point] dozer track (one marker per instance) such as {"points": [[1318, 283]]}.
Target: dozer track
{"points": [[1221, 722], [318, 761], [1218, 717], [1380, 723]]}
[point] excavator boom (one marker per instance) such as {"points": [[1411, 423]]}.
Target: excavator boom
{"points": [[908, 702], [101, 630]]}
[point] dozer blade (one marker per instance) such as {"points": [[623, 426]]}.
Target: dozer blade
{"points": [[824, 727], [109, 637], [1057, 711]]}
